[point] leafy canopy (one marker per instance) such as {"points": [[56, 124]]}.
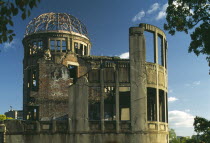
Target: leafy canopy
{"points": [[202, 127], [11, 8], [4, 117], [183, 15]]}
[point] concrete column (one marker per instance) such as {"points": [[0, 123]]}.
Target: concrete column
{"points": [[102, 98], [48, 44], [81, 104], [157, 69], [38, 128], [54, 126], [72, 110], [117, 102], [138, 79]]}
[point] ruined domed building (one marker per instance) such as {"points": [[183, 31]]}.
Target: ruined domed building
{"points": [[71, 96]]}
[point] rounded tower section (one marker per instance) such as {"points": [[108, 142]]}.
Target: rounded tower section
{"points": [[149, 86], [52, 44]]}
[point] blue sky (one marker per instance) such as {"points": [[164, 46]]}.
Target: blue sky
{"points": [[108, 22]]}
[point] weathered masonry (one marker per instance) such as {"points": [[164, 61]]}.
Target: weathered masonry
{"points": [[71, 96]]}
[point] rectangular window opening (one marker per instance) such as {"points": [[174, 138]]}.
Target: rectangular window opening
{"points": [[109, 104], [34, 80], [94, 101], [80, 50], [165, 54], [76, 47], [160, 50], [162, 106], [85, 50], [124, 103], [40, 44], [150, 46], [72, 71], [52, 45], [63, 46], [29, 78], [151, 104]]}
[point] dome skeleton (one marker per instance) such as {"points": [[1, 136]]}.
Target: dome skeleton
{"points": [[54, 22]]}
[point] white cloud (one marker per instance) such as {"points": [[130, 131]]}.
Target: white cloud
{"points": [[153, 8], [139, 16], [172, 99], [8, 45], [124, 55], [193, 84], [162, 13], [196, 82], [180, 119]]}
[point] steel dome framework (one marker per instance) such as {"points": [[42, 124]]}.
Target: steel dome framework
{"points": [[55, 21]]}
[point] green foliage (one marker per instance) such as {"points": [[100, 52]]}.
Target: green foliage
{"points": [[202, 127], [3, 117], [8, 9], [183, 15], [173, 137]]}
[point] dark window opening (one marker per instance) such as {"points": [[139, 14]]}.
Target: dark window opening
{"points": [[72, 71], [161, 106], [151, 104], [63, 46], [94, 75], [34, 80], [109, 75], [165, 54], [29, 78], [32, 113], [81, 52], [124, 103], [109, 104], [160, 50], [85, 50], [76, 47], [40, 44], [150, 46], [94, 100]]}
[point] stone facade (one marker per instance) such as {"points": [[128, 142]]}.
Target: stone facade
{"points": [[72, 96]]}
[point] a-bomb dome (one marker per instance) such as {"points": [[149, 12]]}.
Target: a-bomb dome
{"points": [[56, 22]]}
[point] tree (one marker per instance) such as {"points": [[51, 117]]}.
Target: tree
{"points": [[8, 9], [3, 117], [202, 127], [183, 15], [172, 136]]}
